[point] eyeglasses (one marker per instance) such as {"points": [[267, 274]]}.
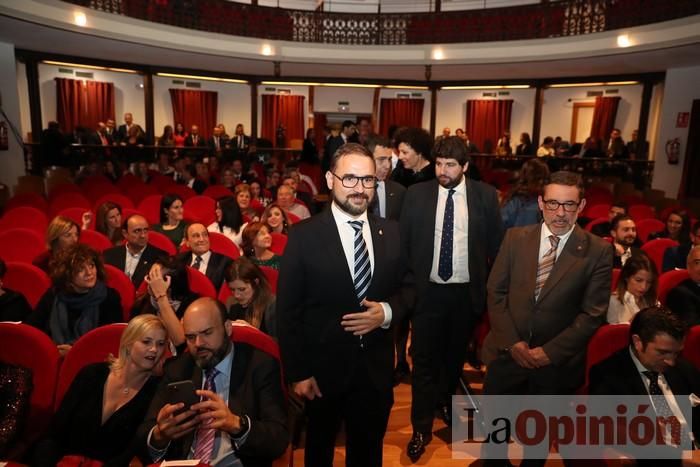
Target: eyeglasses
{"points": [[351, 181], [553, 205]]}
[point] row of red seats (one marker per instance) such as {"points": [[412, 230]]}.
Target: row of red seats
{"points": [[638, 212]]}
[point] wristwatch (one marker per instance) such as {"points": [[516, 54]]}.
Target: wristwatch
{"points": [[244, 423]]}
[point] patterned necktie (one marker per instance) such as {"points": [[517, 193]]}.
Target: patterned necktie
{"points": [[205, 436], [546, 265], [661, 406], [448, 222], [197, 262], [363, 269]]}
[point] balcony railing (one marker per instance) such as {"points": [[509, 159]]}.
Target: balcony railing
{"points": [[537, 21]]}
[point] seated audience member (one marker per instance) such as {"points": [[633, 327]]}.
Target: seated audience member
{"points": [[525, 147], [618, 208], [684, 299], [163, 166], [276, 219], [251, 300], [285, 200], [200, 256], [624, 234], [242, 418], [203, 173], [547, 148], [229, 220], [650, 366], [415, 165], [167, 138], [294, 179], [677, 228], [171, 219], [636, 289], [79, 300], [591, 148], [228, 180], [15, 392], [189, 175], [243, 199], [272, 181], [675, 257], [61, 233], [615, 145], [257, 194], [106, 402], [13, 305], [519, 207], [108, 221], [503, 147], [136, 256], [113, 171], [256, 246], [142, 172]]}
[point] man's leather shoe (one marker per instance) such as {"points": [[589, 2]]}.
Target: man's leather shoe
{"points": [[445, 414], [416, 447]]}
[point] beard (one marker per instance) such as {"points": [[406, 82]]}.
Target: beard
{"points": [[449, 183], [350, 208], [207, 363]]}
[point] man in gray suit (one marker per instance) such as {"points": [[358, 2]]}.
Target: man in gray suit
{"points": [[548, 292]]}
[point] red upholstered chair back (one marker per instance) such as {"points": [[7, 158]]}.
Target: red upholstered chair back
{"points": [[607, 340], [62, 189], [150, 207], [183, 191], [279, 243], [120, 282], [93, 191], [221, 244], [272, 276], [93, 347], [645, 227], [217, 192], [159, 240], [68, 200], [199, 283], [76, 215], [255, 338], [641, 211], [18, 244], [691, 350], [594, 222], [595, 211], [33, 200], [656, 248], [26, 279], [200, 209], [127, 181], [293, 218], [140, 191], [95, 240], [27, 217], [669, 280], [224, 293], [25, 346], [117, 198]]}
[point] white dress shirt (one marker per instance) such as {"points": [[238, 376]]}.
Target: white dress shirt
{"points": [[545, 244], [460, 242], [131, 261], [381, 197], [205, 261]]}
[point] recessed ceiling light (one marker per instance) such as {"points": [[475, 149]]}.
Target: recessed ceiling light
{"points": [[438, 54], [623, 40], [79, 18], [267, 50]]}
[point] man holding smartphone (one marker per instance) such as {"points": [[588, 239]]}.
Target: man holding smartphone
{"points": [[241, 416]]}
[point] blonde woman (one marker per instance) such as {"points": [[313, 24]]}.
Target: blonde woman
{"points": [[61, 233]]}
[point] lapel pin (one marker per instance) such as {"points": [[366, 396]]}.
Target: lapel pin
{"points": [[579, 248], [381, 232]]}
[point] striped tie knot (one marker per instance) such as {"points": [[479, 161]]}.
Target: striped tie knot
{"points": [[546, 264], [362, 266]]}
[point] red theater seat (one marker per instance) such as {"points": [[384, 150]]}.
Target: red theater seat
{"points": [[26, 217], [28, 199], [116, 198], [645, 227], [656, 248], [200, 284], [159, 240], [691, 349], [607, 340], [597, 210], [18, 244], [217, 192], [669, 280], [68, 200], [279, 243], [26, 279], [120, 282], [95, 240], [150, 207], [200, 209]]}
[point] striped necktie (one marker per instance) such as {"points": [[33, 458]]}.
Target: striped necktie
{"points": [[363, 269], [204, 444], [546, 264]]}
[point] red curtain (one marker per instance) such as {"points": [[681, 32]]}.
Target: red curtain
{"points": [[195, 108], [83, 103], [604, 114], [287, 110], [400, 112], [486, 122], [320, 122]]}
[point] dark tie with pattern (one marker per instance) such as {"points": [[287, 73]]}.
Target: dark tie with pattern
{"points": [[448, 222], [197, 262], [661, 406], [363, 269], [205, 436]]}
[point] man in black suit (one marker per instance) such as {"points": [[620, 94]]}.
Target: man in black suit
{"points": [[241, 418], [338, 271], [450, 229], [189, 178], [217, 142], [194, 139], [650, 366], [100, 136], [623, 231], [684, 299], [616, 147], [122, 133], [388, 200], [200, 256], [617, 208], [136, 257]]}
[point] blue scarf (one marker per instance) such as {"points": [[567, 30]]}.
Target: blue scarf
{"points": [[89, 306]]}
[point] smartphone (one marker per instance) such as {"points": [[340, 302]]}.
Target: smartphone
{"points": [[182, 391]]}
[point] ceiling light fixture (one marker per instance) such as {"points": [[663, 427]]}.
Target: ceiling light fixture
{"points": [[79, 18], [623, 40], [584, 85], [267, 50], [438, 54], [487, 86], [203, 78]]}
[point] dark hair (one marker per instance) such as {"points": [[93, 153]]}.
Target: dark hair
{"points": [[638, 262], [531, 180], [547, 140], [684, 233], [348, 123], [67, 263], [285, 219], [175, 268], [348, 149], [165, 203], [654, 320], [417, 138], [376, 140], [451, 147], [230, 214], [620, 204], [526, 138], [191, 169], [619, 218], [248, 238], [566, 178], [245, 270], [101, 221]]}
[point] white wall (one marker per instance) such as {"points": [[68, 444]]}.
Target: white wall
{"points": [[233, 103], [680, 89], [12, 160], [128, 95], [23, 90], [557, 111], [452, 109], [326, 99]]}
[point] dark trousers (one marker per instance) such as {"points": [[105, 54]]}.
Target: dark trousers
{"points": [[442, 327], [402, 327], [365, 411]]}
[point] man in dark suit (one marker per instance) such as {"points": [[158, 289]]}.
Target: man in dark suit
{"points": [[388, 200], [136, 257], [450, 229], [617, 208], [684, 299], [194, 139], [217, 142], [122, 133], [650, 367], [616, 147], [333, 142], [548, 293], [241, 418], [200, 256], [333, 315], [623, 231], [100, 136], [189, 178], [240, 143]]}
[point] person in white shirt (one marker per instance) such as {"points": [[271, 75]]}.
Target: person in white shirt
{"points": [[636, 289], [229, 220]]}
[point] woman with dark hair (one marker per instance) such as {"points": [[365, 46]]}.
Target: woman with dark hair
{"points": [[13, 305], [107, 401], [519, 206], [251, 301], [79, 300], [416, 165], [179, 135], [229, 220], [108, 221], [61, 233], [677, 227], [257, 194], [171, 215], [276, 219], [167, 138], [113, 171], [256, 245], [636, 289], [525, 147]]}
